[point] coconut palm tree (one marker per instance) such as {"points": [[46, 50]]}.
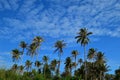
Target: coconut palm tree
{"points": [[21, 68], [68, 65], [28, 65], [100, 58], [45, 60], [80, 61], [15, 55], [23, 45], [74, 54], [91, 54], [15, 67], [53, 65], [38, 64], [59, 45], [37, 40], [83, 39]]}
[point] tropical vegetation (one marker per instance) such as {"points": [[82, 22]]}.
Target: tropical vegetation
{"points": [[92, 67]]}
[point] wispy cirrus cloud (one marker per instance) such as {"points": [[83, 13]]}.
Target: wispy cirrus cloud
{"points": [[61, 18]]}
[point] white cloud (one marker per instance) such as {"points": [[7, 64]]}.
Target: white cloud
{"points": [[55, 20]]}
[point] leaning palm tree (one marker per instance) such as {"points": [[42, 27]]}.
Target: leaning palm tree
{"points": [[59, 45], [32, 49], [75, 53], [34, 46], [15, 55], [28, 65], [83, 39]]}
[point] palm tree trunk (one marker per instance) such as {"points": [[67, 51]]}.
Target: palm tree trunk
{"points": [[59, 64], [85, 62], [75, 63]]}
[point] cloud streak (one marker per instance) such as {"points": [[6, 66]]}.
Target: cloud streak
{"points": [[56, 19]]}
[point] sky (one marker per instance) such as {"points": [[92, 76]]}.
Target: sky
{"points": [[22, 20]]}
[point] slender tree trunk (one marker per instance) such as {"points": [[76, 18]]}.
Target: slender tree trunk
{"points": [[75, 63], [59, 64], [100, 75], [85, 62]]}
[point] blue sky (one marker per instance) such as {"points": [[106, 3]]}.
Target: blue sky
{"points": [[60, 20]]}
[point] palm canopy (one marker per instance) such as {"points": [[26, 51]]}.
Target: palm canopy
{"points": [[83, 36], [45, 59], [100, 58], [59, 45], [74, 53], [28, 64], [23, 44], [16, 54], [91, 53], [38, 40], [38, 64]]}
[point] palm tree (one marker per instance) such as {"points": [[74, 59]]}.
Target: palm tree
{"points": [[80, 61], [21, 68], [83, 39], [100, 58], [59, 45], [53, 65], [23, 45], [37, 40], [38, 64], [45, 59], [91, 54], [15, 67], [68, 65], [28, 65], [34, 46], [75, 53], [15, 55]]}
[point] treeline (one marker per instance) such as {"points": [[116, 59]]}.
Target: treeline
{"points": [[93, 67]]}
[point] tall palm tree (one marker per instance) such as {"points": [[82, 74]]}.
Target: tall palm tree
{"points": [[59, 45], [75, 53], [23, 45], [34, 46], [15, 55], [38, 40], [83, 39], [45, 59], [28, 65]]}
